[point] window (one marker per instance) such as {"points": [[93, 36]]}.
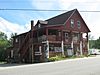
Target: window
{"points": [[16, 40], [39, 25], [12, 53], [78, 24], [66, 35], [72, 23], [59, 33]]}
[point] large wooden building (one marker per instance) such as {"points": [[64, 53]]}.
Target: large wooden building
{"points": [[60, 35]]}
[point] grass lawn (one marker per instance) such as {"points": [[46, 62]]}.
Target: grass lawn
{"points": [[3, 62], [58, 58]]}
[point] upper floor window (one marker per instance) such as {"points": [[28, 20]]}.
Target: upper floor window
{"points": [[39, 25], [72, 23], [78, 24], [16, 40], [59, 33]]}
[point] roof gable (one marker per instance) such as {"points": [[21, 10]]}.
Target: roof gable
{"points": [[85, 25], [76, 17], [60, 19]]}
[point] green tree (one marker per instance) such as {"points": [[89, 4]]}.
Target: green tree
{"points": [[11, 38], [91, 41], [97, 43], [4, 44]]}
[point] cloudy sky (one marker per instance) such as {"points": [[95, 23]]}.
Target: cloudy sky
{"points": [[18, 21]]}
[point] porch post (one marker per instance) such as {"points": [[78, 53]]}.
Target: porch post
{"points": [[47, 50], [72, 45], [62, 43], [62, 47], [32, 49], [87, 43], [32, 54], [81, 52]]}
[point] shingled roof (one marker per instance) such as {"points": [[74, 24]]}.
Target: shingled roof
{"points": [[60, 19]]}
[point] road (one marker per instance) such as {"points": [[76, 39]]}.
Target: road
{"points": [[82, 66]]}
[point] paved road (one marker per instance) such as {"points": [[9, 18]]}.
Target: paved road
{"points": [[86, 66]]}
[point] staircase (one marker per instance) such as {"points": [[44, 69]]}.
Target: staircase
{"points": [[25, 46]]}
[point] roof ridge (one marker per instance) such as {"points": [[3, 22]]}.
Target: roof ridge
{"points": [[61, 14], [60, 19]]}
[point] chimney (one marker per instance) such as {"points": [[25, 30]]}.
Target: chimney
{"points": [[32, 25]]}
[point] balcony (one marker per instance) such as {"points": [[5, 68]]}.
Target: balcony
{"points": [[49, 37], [38, 53]]}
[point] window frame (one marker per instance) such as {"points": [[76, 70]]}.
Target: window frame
{"points": [[16, 40], [66, 35], [78, 24], [72, 23]]}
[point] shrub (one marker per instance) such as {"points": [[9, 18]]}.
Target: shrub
{"points": [[56, 58]]}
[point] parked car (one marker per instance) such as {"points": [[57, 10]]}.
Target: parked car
{"points": [[94, 51]]}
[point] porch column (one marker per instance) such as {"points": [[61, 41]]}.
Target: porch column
{"points": [[81, 51], [72, 45], [32, 49], [62, 43], [32, 54], [47, 50], [62, 47], [87, 43]]}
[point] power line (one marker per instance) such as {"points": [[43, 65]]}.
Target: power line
{"points": [[42, 10]]}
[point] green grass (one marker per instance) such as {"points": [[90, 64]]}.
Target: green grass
{"points": [[58, 58], [2, 62]]}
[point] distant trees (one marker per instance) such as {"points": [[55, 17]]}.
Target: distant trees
{"points": [[97, 43], [91, 41], [94, 43], [4, 44]]}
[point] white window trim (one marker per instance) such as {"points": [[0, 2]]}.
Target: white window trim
{"points": [[79, 24], [16, 40], [39, 25], [72, 23]]}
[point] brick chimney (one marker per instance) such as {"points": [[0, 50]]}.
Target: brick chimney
{"points": [[32, 25]]}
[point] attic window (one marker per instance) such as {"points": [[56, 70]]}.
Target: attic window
{"points": [[78, 24], [16, 40], [39, 25], [72, 23]]}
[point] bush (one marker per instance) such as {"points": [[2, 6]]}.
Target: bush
{"points": [[56, 58]]}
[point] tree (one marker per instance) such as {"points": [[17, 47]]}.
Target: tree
{"points": [[4, 44], [91, 41], [11, 38], [97, 44]]}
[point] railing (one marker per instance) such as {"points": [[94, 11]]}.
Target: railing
{"points": [[38, 53], [49, 37], [25, 45]]}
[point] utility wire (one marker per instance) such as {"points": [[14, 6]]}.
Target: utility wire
{"points": [[42, 10]]}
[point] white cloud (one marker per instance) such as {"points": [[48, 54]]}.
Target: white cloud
{"points": [[42, 4], [91, 18], [8, 27]]}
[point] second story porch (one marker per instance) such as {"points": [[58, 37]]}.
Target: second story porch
{"points": [[57, 35]]}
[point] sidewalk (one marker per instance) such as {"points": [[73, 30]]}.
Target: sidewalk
{"points": [[10, 66]]}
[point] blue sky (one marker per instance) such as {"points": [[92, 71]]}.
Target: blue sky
{"points": [[19, 21]]}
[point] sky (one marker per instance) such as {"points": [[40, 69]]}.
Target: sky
{"points": [[18, 21]]}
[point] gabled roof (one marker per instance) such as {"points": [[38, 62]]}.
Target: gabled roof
{"points": [[60, 19], [42, 22]]}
